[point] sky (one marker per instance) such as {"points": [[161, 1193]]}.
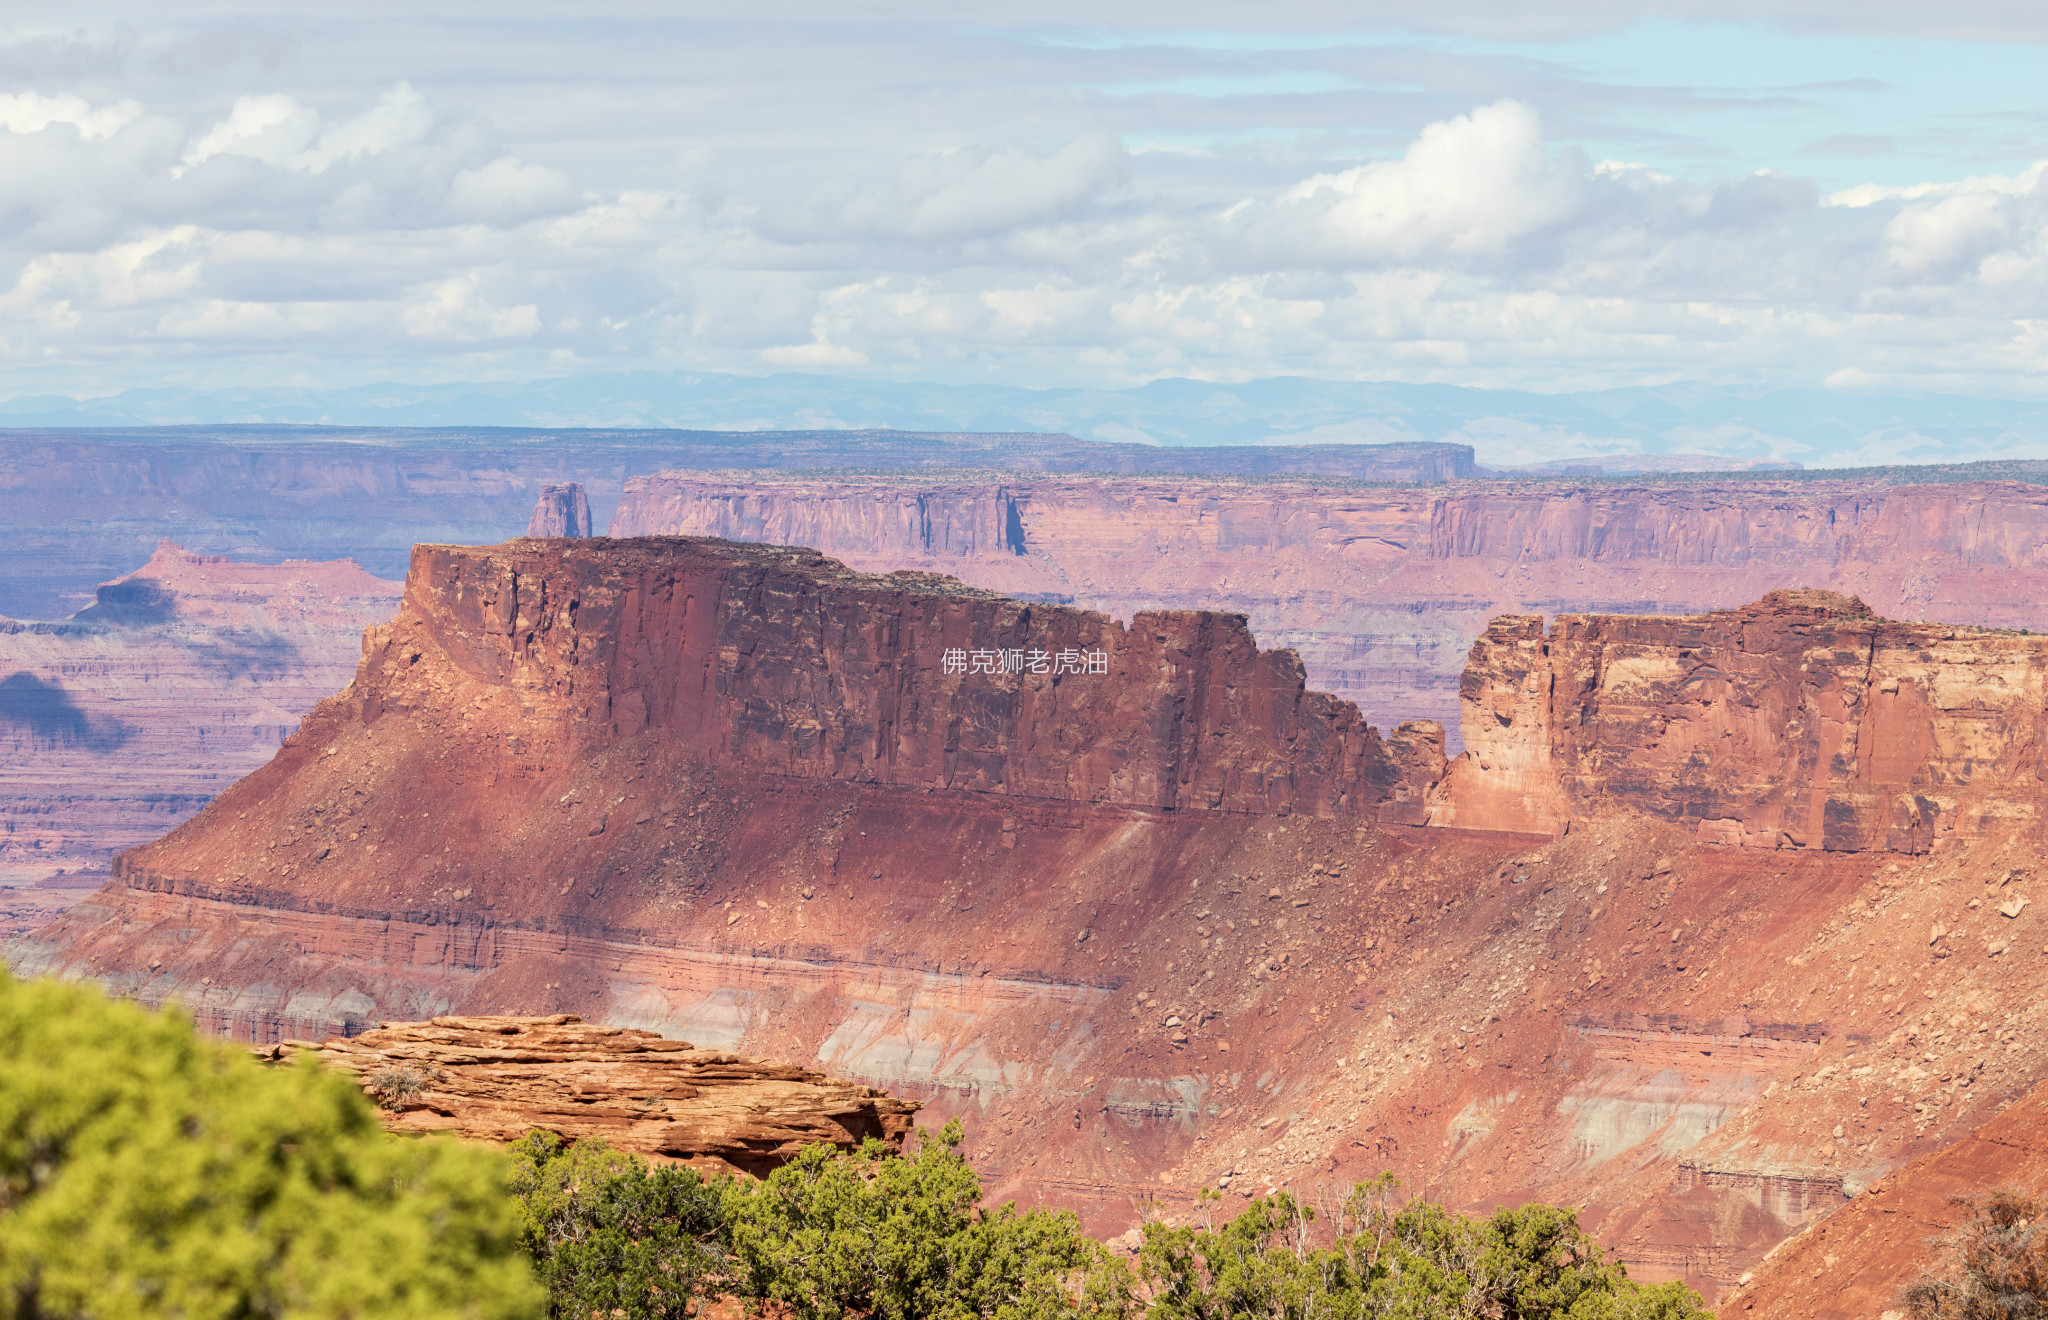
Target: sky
{"points": [[1810, 195]]}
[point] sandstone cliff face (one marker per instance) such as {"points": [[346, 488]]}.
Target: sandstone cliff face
{"points": [[182, 677], [495, 1078], [558, 786], [783, 662], [1803, 721], [83, 505], [1382, 590]]}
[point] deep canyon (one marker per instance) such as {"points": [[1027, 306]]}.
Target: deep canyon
{"points": [[183, 676], [1048, 805], [1181, 921]]}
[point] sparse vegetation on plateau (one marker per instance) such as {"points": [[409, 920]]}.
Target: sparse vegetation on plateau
{"points": [[401, 1084]]}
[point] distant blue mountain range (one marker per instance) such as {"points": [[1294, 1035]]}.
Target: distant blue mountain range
{"points": [[1715, 427]]}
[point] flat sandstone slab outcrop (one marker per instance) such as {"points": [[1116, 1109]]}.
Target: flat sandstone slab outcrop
{"points": [[498, 1078]]}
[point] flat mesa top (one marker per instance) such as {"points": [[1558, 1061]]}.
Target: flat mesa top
{"points": [[625, 553]]}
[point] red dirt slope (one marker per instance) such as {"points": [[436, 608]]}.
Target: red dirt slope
{"points": [[1852, 1265]]}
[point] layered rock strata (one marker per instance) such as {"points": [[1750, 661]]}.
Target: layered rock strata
{"points": [[782, 661], [179, 679], [82, 505], [1382, 590], [558, 787], [1802, 721], [495, 1078]]}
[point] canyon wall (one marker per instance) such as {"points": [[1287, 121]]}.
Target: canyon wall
{"points": [[732, 795], [1383, 590], [182, 677], [1857, 1263], [782, 661], [83, 505], [1802, 721]]}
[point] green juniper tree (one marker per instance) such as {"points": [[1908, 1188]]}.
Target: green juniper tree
{"points": [[869, 1233], [1416, 1261], [145, 1172], [611, 1237]]}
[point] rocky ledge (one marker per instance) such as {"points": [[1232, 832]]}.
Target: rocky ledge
{"points": [[497, 1078]]}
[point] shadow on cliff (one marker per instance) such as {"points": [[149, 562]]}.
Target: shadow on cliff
{"points": [[237, 653], [136, 602], [46, 712], [247, 653]]}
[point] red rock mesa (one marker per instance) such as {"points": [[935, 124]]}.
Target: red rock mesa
{"points": [[1153, 927], [1803, 721]]}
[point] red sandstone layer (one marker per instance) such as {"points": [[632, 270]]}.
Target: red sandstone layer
{"points": [[782, 661], [1383, 589], [1803, 721]]}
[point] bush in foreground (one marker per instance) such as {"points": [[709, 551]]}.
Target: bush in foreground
{"points": [[877, 1234], [146, 1172], [611, 1237], [1416, 1260], [1994, 1267], [872, 1233]]}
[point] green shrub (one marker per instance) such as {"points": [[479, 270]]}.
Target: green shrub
{"points": [[897, 1238], [1417, 1261], [145, 1173], [612, 1238], [873, 1233]]}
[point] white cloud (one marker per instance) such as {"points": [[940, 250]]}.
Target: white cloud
{"points": [[1960, 227], [149, 270], [399, 118], [510, 189], [937, 204], [273, 129], [1468, 186], [1869, 194], [456, 309], [27, 112], [971, 193], [959, 195], [278, 130]]}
